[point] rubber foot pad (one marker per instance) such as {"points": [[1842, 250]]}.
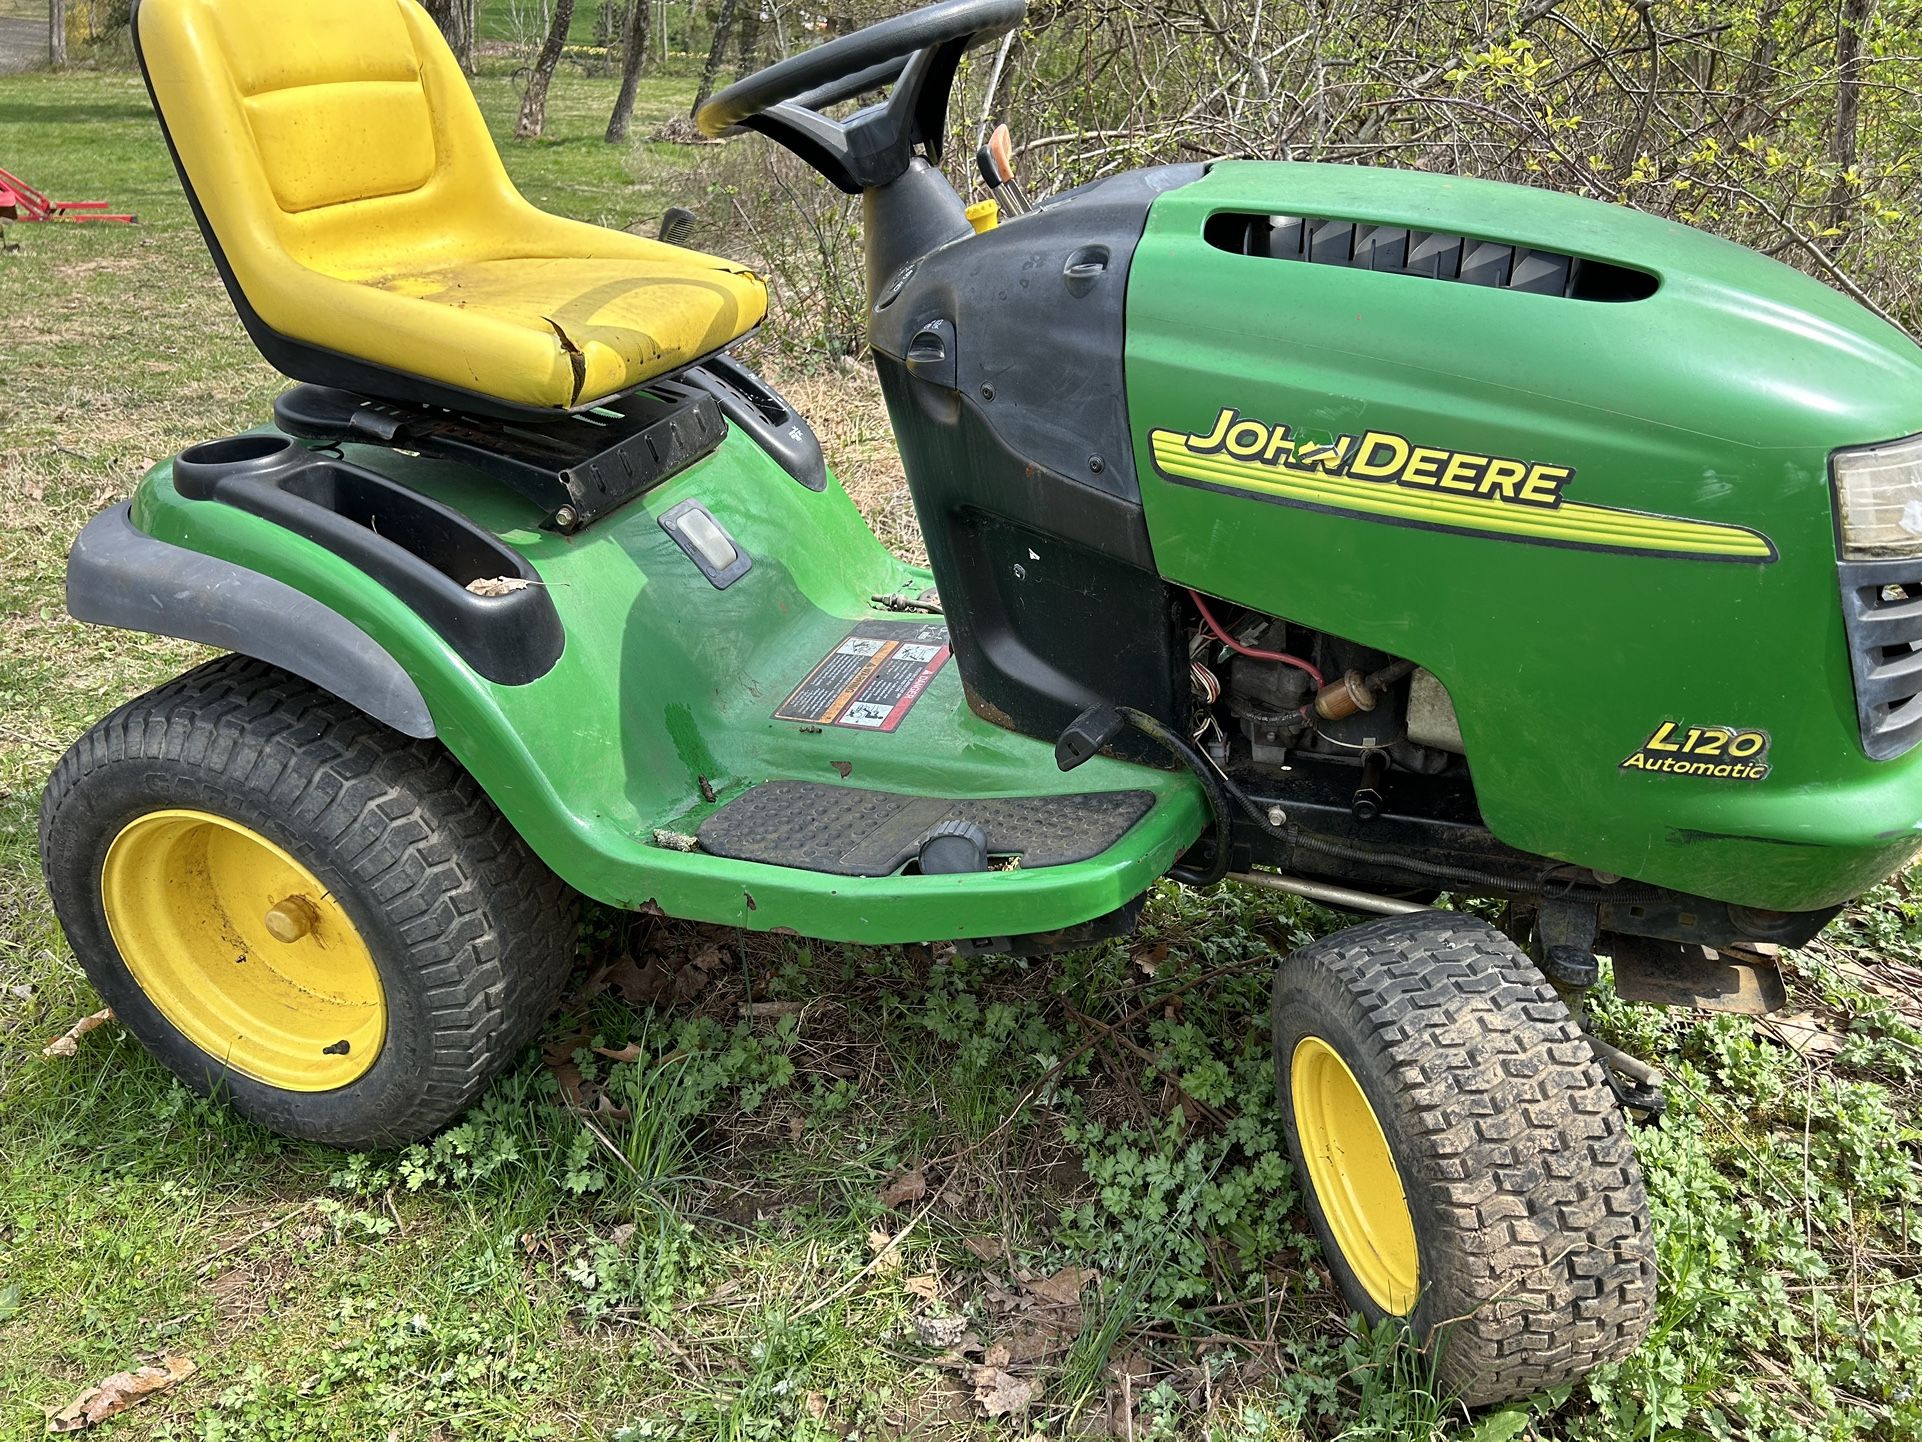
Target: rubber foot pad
{"points": [[846, 831]]}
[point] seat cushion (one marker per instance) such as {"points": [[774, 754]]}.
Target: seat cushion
{"points": [[617, 322], [347, 178]]}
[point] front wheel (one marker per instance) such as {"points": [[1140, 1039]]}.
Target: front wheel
{"points": [[1466, 1165], [323, 921]]}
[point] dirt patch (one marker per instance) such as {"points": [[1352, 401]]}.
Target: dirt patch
{"points": [[105, 265]]}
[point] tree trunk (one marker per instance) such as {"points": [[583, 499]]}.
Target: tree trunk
{"points": [[631, 62], [534, 104], [723, 26], [57, 32], [456, 21], [750, 39], [1758, 75], [1844, 140]]}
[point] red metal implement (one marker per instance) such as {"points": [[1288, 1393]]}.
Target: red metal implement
{"points": [[20, 201]]}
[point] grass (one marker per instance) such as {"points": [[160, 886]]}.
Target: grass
{"points": [[711, 1254], [524, 22]]}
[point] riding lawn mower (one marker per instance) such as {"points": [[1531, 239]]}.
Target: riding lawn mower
{"points": [[1374, 536]]}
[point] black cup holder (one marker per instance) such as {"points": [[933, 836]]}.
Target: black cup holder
{"points": [[423, 552], [198, 468]]}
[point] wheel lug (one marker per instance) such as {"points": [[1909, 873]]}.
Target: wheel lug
{"points": [[291, 918]]}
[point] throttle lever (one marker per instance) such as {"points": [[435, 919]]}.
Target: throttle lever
{"points": [[995, 161]]}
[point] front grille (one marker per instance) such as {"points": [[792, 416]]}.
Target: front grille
{"points": [[1882, 608]]}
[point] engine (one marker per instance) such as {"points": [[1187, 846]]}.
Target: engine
{"points": [[1266, 690]]}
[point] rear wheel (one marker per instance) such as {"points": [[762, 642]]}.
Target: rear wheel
{"points": [[1466, 1165], [289, 904]]}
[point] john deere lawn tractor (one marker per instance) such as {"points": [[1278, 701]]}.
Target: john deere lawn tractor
{"points": [[1362, 534]]}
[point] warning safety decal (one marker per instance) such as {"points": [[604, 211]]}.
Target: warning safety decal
{"points": [[871, 679]]}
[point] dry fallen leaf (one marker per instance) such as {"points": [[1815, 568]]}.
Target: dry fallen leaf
{"points": [[1041, 1335], [117, 1393], [498, 585], [1805, 1033], [630, 1052], [999, 1393], [640, 984], [1063, 1287], [69, 1043], [559, 1056], [923, 1286], [988, 1249], [771, 1008], [908, 1186]]}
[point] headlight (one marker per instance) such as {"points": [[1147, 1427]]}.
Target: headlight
{"points": [[1880, 491]]}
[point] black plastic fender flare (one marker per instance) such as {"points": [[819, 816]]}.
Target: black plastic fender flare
{"points": [[119, 576]]}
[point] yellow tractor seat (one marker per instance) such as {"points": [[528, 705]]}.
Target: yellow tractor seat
{"points": [[370, 237]]}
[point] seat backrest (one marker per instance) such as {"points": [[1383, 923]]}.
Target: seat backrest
{"points": [[338, 134]]}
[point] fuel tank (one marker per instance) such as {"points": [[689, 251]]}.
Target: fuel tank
{"points": [[1572, 459]]}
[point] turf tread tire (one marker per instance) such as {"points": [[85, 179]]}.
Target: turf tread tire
{"points": [[1531, 1218], [461, 915]]}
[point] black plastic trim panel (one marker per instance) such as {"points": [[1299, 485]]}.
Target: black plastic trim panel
{"points": [[1034, 312], [120, 576], [758, 409], [1882, 610]]}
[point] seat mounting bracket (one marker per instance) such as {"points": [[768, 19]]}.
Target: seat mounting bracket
{"points": [[576, 467]]}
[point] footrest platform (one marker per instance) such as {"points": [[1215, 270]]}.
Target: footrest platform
{"points": [[847, 831]]}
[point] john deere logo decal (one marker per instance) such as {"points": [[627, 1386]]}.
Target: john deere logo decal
{"points": [[1379, 473], [1726, 753]]}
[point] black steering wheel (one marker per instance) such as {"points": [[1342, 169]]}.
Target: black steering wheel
{"points": [[917, 53]]}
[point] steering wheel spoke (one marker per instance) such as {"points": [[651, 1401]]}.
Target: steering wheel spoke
{"points": [[917, 54], [853, 87]]}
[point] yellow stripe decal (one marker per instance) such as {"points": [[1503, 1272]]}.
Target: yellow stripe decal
{"points": [[1518, 503]]}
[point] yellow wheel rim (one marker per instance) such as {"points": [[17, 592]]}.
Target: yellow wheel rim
{"points": [[237, 945], [1354, 1176]]}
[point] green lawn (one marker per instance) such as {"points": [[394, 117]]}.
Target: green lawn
{"points": [[525, 21], [714, 1254]]}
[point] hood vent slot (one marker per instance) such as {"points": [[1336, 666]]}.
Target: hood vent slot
{"points": [[1430, 254]]}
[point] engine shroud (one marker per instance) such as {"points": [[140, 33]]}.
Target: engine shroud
{"points": [[1570, 459]]}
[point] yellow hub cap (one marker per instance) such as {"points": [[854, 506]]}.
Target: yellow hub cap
{"points": [[1354, 1176], [246, 953]]}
